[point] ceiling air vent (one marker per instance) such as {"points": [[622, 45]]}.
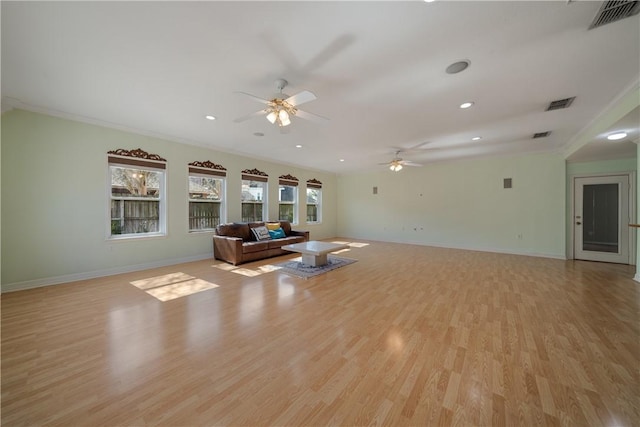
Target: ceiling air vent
{"points": [[560, 104], [541, 134], [612, 11]]}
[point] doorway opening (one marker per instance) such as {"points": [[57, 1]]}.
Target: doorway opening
{"points": [[603, 207]]}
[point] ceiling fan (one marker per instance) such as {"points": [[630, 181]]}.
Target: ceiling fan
{"points": [[281, 107], [397, 163]]}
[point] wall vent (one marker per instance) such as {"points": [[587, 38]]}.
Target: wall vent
{"points": [[560, 104], [612, 11], [507, 183], [541, 134]]}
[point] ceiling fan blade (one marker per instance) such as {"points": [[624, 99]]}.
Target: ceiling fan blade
{"points": [[419, 146], [249, 116], [264, 101], [416, 147], [408, 163], [310, 116], [300, 98]]}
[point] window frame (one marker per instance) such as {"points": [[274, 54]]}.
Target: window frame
{"points": [[318, 206], [294, 203], [222, 202], [264, 202], [126, 160], [314, 184]]}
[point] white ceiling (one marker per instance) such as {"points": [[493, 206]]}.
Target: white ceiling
{"points": [[377, 68]]}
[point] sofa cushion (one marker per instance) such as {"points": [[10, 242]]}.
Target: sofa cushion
{"points": [[286, 226], [234, 230], [272, 225], [261, 233], [252, 236], [277, 234], [250, 247]]}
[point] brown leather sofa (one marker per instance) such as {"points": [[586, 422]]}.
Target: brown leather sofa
{"points": [[235, 243]]}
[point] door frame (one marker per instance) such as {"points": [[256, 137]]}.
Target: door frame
{"points": [[632, 211]]}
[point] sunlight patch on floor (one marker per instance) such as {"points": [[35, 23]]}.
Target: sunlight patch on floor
{"points": [[351, 244], [358, 244], [257, 272], [246, 272], [167, 279], [172, 286], [269, 268], [224, 266], [341, 251]]}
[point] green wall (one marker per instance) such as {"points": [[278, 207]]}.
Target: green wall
{"points": [[54, 207], [461, 204], [55, 201], [603, 166]]}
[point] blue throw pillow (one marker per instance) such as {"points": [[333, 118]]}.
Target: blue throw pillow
{"points": [[277, 234]]}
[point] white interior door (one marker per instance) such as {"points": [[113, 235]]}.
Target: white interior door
{"points": [[602, 217]]}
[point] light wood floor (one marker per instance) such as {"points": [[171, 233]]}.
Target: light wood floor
{"points": [[408, 335]]}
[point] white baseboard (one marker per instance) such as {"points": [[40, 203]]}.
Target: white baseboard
{"points": [[478, 249], [47, 281], [637, 276]]}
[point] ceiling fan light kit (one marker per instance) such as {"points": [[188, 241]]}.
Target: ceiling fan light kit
{"points": [[283, 116], [282, 107], [396, 164]]}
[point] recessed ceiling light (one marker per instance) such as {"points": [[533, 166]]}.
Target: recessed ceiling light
{"points": [[616, 136], [466, 104], [342, 160], [258, 134], [209, 117], [429, 1], [458, 67], [476, 138], [298, 146]]}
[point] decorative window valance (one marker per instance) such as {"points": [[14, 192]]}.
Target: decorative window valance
{"points": [[137, 157], [314, 183], [207, 168], [255, 175], [288, 180]]}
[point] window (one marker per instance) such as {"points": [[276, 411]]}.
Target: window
{"points": [[137, 193], [254, 195], [314, 201], [288, 199], [206, 195]]}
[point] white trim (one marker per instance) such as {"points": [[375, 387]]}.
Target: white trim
{"points": [[294, 203], [9, 103], [632, 209], [265, 197], [472, 248], [318, 205], [222, 201], [637, 277], [163, 202], [57, 280], [606, 110]]}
